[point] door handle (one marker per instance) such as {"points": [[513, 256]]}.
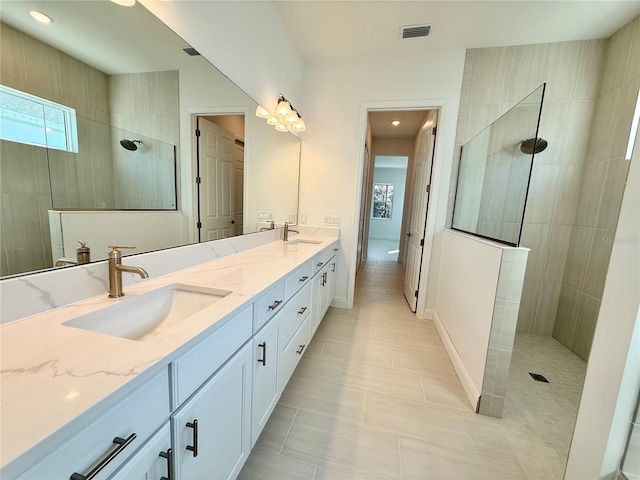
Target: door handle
{"points": [[263, 360], [169, 456], [409, 234], [194, 448], [233, 222]]}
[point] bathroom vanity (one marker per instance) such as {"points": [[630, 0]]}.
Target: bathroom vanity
{"points": [[186, 393]]}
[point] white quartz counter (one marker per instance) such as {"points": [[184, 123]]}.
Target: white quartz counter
{"points": [[55, 378]]}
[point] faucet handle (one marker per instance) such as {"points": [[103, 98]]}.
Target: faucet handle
{"points": [[116, 247]]}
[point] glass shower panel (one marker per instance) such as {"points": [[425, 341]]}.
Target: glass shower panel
{"points": [[495, 167], [114, 169]]}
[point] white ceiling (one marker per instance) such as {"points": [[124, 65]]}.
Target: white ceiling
{"points": [[326, 29]]}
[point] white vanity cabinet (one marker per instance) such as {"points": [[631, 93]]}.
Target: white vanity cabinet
{"points": [[211, 431], [104, 445], [323, 286], [264, 395], [153, 461]]}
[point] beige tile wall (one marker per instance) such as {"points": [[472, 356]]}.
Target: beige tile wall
{"points": [[601, 192], [33, 67], [495, 79]]}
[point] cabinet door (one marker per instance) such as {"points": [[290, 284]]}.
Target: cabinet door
{"points": [[316, 303], [265, 376], [152, 461], [211, 431]]}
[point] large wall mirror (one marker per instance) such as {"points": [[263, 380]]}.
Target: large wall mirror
{"points": [[125, 135]]}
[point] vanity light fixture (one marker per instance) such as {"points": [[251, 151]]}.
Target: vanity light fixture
{"points": [[395, 123], [287, 118], [40, 17]]}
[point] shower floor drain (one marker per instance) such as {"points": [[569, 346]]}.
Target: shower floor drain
{"points": [[538, 378]]}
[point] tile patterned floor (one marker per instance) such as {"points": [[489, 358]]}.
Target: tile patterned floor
{"points": [[376, 397]]}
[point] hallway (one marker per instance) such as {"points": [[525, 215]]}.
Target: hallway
{"points": [[376, 397]]}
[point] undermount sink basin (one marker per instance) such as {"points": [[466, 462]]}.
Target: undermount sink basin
{"points": [[300, 241], [144, 316]]}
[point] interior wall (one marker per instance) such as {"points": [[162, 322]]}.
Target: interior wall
{"points": [[603, 183], [331, 171], [33, 67], [495, 80]]}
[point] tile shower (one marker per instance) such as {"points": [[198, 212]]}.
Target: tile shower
{"points": [[576, 186]]}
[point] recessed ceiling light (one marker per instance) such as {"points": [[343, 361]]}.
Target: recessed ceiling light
{"points": [[395, 123], [125, 3], [39, 16]]}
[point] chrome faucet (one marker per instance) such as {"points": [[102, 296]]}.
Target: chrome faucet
{"points": [[116, 268], [287, 230]]}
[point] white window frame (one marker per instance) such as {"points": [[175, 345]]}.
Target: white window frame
{"points": [[70, 121]]}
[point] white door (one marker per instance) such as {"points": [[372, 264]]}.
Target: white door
{"points": [[217, 171], [364, 210], [239, 190], [415, 245]]}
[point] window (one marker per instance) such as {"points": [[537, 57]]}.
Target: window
{"points": [[25, 118], [382, 200]]}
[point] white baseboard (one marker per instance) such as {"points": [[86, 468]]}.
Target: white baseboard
{"points": [[385, 237], [427, 314], [340, 302], [470, 389]]}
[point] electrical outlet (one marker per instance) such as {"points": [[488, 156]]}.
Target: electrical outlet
{"points": [[265, 216], [331, 220], [292, 218], [304, 219]]}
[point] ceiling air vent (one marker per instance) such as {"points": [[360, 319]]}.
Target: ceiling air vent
{"points": [[415, 31], [191, 51]]}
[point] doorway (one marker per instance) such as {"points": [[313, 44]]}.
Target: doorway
{"points": [[219, 176], [394, 134]]}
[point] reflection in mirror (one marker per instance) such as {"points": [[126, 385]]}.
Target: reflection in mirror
{"points": [[130, 84], [495, 168]]}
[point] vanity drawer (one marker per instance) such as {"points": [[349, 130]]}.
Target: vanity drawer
{"points": [[268, 305], [194, 367], [321, 259], [140, 413], [292, 353], [298, 279], [295, 312]]}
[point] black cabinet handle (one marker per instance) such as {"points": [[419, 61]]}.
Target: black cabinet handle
{"points": [[333, 267], [302, 310], [169, 456], [335, 249], [194, 448], [319, 264], [122, 444], [275, 305], [299, 351], [263, 360], [303, 279]]}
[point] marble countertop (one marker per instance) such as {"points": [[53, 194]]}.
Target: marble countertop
{"points": [[55, 378]]}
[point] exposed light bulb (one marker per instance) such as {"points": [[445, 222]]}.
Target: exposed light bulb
{"points": [[40, 17], [395, 123], [262, 112], [300, 126], [292, 118]]}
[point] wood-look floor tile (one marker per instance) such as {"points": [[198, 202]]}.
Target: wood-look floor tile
{"points": [[321, 440], [319, 367], [275, 431], [353, 334], [312, 395], [423, 421], [263, 465], [383, 380], [423, 460], [445, 393], [367, 354]]}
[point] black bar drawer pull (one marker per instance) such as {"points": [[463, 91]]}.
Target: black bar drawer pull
{"points": [[299, 351], [275, 304], [194, 448], [319, 264], [122, 444], [304, 279], [302, 310], [169, 456], [263, 360], [333, 267]]}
